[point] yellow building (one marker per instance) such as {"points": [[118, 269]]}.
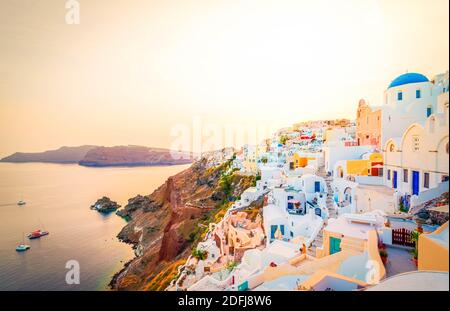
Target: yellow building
{"points": [[297, 161], [433, 250], [365, 167]]}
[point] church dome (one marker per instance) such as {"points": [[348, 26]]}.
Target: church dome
{"points": [[407, 78]]}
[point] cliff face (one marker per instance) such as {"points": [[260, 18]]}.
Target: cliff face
{"points": [[171, 220], [132, 155]]}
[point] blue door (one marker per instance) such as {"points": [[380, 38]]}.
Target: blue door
{"points": [[282, 229], [335, 245], [273, 229], [318, 211], [317, 186], [415, 183], [394, 180]]}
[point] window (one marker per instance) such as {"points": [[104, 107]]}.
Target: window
{"points": [[444, 178], [426, 180], [405, 175], [418, 95], [292, 234], [391, 148], [429, 110], [399, 96], [389, 175], [416, 143]]}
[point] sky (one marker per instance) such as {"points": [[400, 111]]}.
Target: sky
{"points": [[133, 71]]}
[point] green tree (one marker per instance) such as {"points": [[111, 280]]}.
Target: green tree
{"points": [[199, 254]]}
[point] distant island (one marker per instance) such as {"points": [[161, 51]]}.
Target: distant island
{"points": [[98, 156]]}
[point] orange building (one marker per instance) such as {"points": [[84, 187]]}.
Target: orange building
{"points": [[368, 125]]}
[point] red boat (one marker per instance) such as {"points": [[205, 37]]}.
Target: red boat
{"points": [[37, 234]]}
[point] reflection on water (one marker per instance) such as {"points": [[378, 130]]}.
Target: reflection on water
{"points": [[58, 198]]}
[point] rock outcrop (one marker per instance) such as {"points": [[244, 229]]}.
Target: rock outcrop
{"points": [[146, 203], [105, 205]]}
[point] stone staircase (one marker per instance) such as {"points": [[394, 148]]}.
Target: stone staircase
{"points": [[332, 212], [318, 241]]}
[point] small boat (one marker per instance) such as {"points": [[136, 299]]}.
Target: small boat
{"points": [[22, 248], [36, 234], [21, 202]]}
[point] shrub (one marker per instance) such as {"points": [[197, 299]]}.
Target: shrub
{"points": [[199, 254]]}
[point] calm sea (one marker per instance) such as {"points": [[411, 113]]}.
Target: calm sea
{"points": [[58, 199]]}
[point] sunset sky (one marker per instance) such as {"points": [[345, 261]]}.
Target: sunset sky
{"points": [[134, 69]]}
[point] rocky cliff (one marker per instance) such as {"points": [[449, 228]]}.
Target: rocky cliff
{"points": [[165, 225]]}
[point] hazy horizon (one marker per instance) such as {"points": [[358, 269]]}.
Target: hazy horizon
{"points": [[131, 71]]}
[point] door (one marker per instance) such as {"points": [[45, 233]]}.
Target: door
{"points": [[317, 186], [335, 245], [318, 212], [394, 180], [273, 229], [375, 171], [415, 183]]}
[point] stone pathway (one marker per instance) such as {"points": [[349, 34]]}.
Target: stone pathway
{"points": [[399, 261]]}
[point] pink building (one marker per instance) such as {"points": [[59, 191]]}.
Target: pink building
{"points": [[368, 125]]}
